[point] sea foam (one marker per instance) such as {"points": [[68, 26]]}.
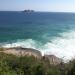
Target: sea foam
{"points": [[63, 46]]}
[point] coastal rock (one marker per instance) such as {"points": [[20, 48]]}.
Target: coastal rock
{"points": [[19, 51], [53, 60]]}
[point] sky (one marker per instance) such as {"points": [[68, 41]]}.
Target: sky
{"points": [[38, 5]]}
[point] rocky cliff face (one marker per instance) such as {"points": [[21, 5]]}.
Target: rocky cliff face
{"points": [[53, 60], [19, 51]]}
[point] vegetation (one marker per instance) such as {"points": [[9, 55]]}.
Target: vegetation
{"points": [[13, 65], [1, 49]]}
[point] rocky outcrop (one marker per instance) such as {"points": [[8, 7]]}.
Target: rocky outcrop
{"points": [[53, 60], [28, 11], [19, 51]]}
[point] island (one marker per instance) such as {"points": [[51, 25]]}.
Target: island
{"points": [[28, 11]]}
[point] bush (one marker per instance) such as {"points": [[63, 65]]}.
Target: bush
{"points": [[29, 65]]}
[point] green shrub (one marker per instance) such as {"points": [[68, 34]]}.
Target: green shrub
{"points": [[29, 65]]}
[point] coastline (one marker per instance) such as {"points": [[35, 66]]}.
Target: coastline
{"points": [[21, 52]]}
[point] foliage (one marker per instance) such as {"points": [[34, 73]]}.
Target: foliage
{"points": [[29, 65]]}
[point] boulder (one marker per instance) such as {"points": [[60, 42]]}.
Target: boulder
{"points": [[19, 51], [53, 60]]}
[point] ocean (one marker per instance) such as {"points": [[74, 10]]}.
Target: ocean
{"points": [[48, 32]]}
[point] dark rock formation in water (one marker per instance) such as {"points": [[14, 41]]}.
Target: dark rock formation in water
{"points": [[28, 11]]}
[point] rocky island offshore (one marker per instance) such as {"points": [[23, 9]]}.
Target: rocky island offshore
{"points": [[28, 11]]}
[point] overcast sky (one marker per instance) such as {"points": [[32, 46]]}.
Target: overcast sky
{"points": [[38, 5]]}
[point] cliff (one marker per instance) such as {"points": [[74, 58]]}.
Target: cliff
{"points": [[53, 60], [19, 51]]}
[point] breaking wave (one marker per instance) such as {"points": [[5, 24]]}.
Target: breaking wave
{"points": [[63, 46]]}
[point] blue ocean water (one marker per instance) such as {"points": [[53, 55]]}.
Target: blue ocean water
{"points": [[49, 32]]}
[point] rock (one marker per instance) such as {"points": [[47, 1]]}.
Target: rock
{"points": [[53, 60], [19, 51], [28, 11]]}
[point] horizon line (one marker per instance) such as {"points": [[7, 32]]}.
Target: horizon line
{"points": [[36, 11]]}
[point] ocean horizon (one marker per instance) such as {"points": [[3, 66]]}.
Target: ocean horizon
{"points": [[48, 32]]}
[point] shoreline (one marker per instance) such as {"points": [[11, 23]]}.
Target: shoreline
{"points": [[21, 52]]}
